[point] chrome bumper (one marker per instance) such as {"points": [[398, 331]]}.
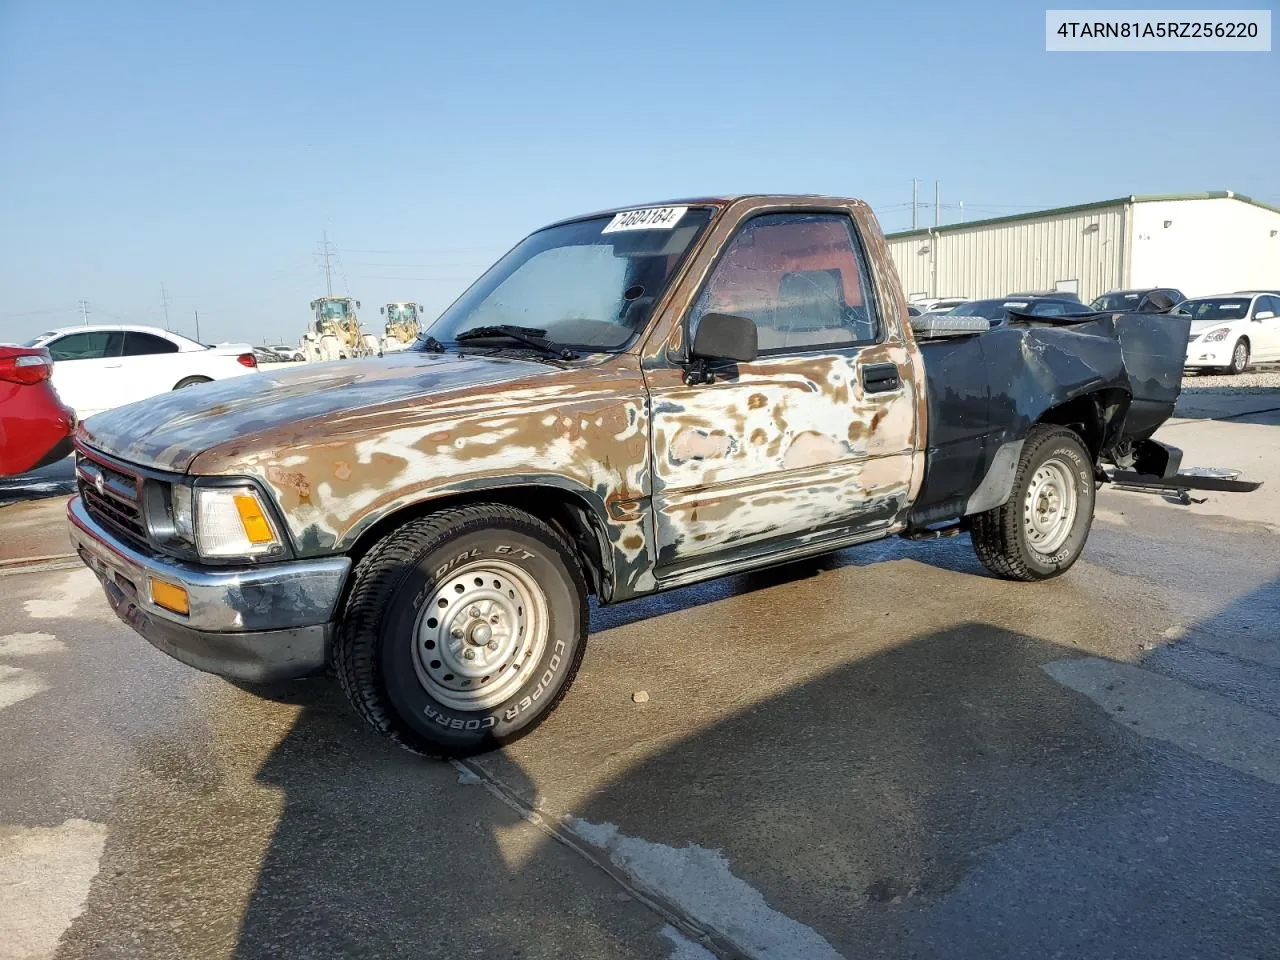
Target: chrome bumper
{"points": [[258, 624]]}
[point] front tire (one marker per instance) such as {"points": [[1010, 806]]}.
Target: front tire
{"points": [[1041, 530], [191, 382], [1239, 358], [463, 630]]}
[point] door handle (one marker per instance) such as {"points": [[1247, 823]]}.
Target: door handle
{"points": [[112, 366], [880, 377]]}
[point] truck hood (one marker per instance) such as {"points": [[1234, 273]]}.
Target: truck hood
{"points": [[168, 432]]}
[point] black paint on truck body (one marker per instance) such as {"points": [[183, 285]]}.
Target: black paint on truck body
{"points": [[1118, 375]]}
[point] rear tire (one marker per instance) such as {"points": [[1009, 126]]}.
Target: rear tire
{"points": [[1041, 530], [463, 630], [191, 382], [1239, 358]]}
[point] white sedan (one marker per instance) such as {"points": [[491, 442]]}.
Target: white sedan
{"points": [[99, 367], [1229, 332]]}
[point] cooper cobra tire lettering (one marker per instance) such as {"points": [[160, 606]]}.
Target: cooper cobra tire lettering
{"points": [[385, 621]]}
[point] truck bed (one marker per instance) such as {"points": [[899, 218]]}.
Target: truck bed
{"points": [[986, 391]]}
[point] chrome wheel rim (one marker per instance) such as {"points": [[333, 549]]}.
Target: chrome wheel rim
{"points": [[1241, 356], [481, 635], [1049, 511]]}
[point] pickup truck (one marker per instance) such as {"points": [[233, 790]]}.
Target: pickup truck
{"points": [[626, 402]]}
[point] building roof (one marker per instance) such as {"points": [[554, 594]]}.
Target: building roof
{"points": [[1081, 208]]}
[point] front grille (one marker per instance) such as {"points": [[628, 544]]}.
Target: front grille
{"points": [[112, 497]]}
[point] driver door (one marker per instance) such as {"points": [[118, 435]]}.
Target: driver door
{"points": [[813, 440]]}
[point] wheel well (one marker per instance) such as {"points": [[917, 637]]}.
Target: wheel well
{"points": [[1091, 416], [571, 514]]}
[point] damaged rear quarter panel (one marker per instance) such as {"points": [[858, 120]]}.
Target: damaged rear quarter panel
{"points": [[989, 390]]}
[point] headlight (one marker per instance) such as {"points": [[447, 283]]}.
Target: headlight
{"points": [[1221, 333], [184, 521], [233, 522]]}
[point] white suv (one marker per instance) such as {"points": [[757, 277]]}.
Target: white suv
{"points": [[1232, 330]]}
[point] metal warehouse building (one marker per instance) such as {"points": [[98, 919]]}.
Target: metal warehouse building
{"points": [[1200, 243]]}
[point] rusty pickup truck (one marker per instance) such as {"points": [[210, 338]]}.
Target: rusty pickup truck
{"points": [[626, 402]]}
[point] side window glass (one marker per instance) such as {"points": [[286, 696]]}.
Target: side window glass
{"points": [[801, 277], [80, 346], [141, 344]]}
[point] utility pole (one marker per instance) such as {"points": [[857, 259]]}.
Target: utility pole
{"points": [[962, 211], [915, 200], [84, 312], [327, 253], [197, 313], [937, 204], [164, 298]]}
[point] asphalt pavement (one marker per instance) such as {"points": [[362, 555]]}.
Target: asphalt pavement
{"points": [[882, 753]]}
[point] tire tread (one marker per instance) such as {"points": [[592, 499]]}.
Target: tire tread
{"points": [[379, 574], [996, 533]]}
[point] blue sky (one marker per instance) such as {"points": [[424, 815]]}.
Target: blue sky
{"points": [[207, 146]]}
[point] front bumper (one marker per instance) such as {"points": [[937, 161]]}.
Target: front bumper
{"points": [[1214, 353], [256, 624]]}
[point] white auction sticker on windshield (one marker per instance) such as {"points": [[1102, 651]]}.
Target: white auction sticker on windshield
{"points": [[650, 218]]}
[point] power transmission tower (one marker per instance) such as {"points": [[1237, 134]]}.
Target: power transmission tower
{"points": [[915, 200], [937, 203], [327, 253], [84, 312], [164, 298]]}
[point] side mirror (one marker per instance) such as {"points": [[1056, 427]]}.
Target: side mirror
{"points": [[1264, 315], [723, 336], [383, 311]]}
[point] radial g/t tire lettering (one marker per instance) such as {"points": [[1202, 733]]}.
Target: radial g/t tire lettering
{"points": [[463, 630], [1042, 528]]}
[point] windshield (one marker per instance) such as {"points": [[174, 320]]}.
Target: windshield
{"points": [[37, 341], [334, 310], [401, 313], [589, 284], [1218, 308], [1118, 302], [987, 309]]}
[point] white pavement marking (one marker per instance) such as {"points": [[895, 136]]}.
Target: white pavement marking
{"points": [[65, 597], [1202, 723], [700, 881], [17, 684], [29, 644], [682, 948], [45, 873]]}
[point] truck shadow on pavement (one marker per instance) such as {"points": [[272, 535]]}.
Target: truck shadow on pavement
{"points": [[942, 798]]}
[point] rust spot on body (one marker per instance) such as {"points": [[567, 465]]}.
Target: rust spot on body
{"points": [[700, 445], [812, 449]]}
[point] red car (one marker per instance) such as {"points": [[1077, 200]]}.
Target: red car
{"points": [[35, 426]]}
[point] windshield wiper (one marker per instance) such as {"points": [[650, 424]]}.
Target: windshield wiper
{"points": [[526, 335]]}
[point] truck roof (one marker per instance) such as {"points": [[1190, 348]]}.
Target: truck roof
{"points": [[719, 202]]}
